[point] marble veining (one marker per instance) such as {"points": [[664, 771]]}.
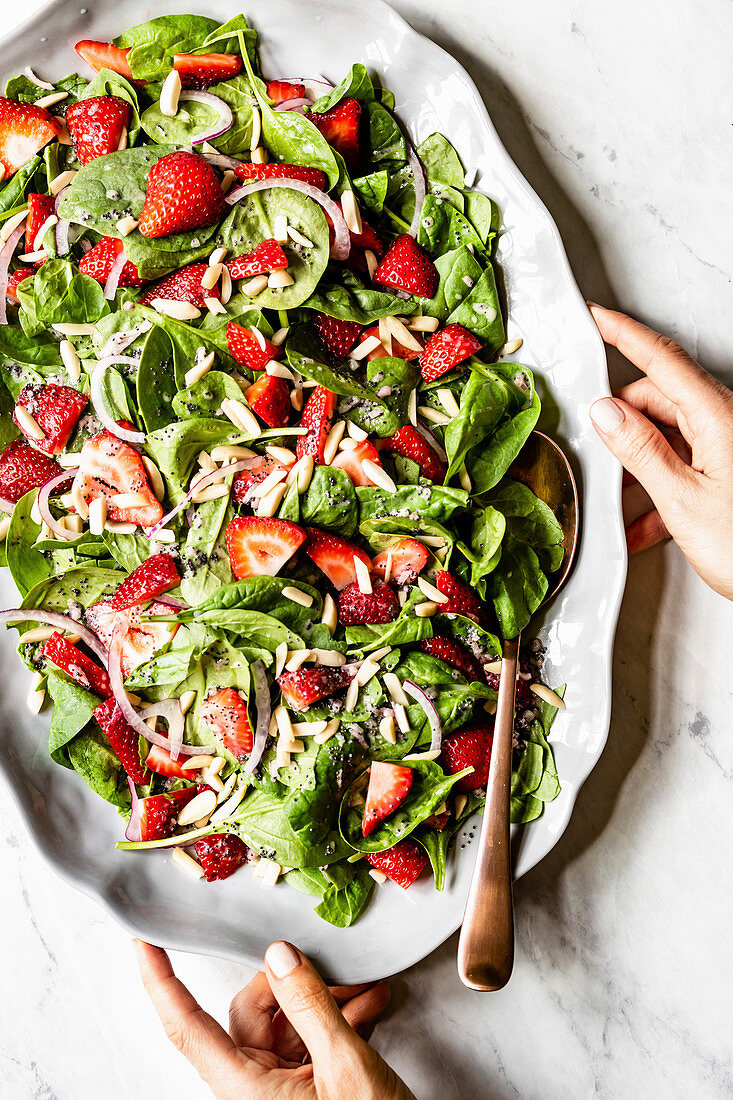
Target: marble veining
{"points": [[621, 987]]}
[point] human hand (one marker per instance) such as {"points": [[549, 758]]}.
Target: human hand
{"points": [[290, 1036], [685, 464]]}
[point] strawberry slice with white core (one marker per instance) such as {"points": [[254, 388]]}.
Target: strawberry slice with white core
{"points": [[249, 347], [259, 546], [103, 55], [317, 418], [24, 129], [225, 713], [389, 786], [352, 461], [160, 761], [405, 561], [334, 557], [141, 640], [109, 468]]}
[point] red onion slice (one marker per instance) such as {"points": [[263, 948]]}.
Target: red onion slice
{"points": [[172, 601], [61, 622], [421, 186], [120, 341], [134, 830], [201, 483], [110, 287], [130, 714], [43, 506], [431, 712], [264, 711], [95, 392], [6, 256], [296, 104], [62, 236], [224, 111], [170, 709], [341, 237]]}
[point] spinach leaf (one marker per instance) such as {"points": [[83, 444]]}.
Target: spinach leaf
{"points": [[517, 586], [481, 313], [265, 595], [128, 551], [27, 565], [14, 190], [175, 448], [341, 905], [330, 501], [529, 518], [23, 90], [371, 190], [262, 822], [154, 43], [483, 214], [488, 462], [193, 118], [349, 300], [73, 709], [83, 585], [357, 84], [443, 228], [487, 531], [441, 161], [483, 401], [168, 669], [392, 380], [251, 221], [307, 355], [156, 383], [204, 558], [204, 398], [62, 294], [384, 137], [411, 502], [92, 757]]}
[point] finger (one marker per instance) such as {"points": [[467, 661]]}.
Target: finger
{"points": [[251, 1013], [645, 532], [192, 1031], [307, 1002], [343, 993], [675, 373], [645, 396], [641, 449], [362, 1011]]}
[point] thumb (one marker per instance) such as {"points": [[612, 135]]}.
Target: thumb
{"points": [[307, 1002], [641, 449]]}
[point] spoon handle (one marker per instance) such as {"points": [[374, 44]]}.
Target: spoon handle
{"points": [[486, 944]]}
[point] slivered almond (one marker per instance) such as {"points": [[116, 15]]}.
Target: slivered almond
{"points": [[120, 528], [433, 416], [424, 324], [402, 334], [210, 277], [281, 454], [124, 227], [198, 371], [170, 93], [281, 656], [255, 286], [230, 453], [309, 729], [448, 401], [306, 466], [363, 576], [4, 527], [460, 804], [350, 209], [385, 335], [178, 311], [329, 615], [283, 722], [387, 729], [379, 876], [267, 506], [215, 306], [465, 478], [352, 695], [512, 346], [38, 634], [165, 536], [403, 722], [241, 416], [378, 476], [128, 500], [49, 223], [28, 425], [334, 437], [328, 732], [330, 657], [186, 701], [227, 180], [412, 407], [493, 667], [362, 350], [182, 859], [210, 492], [278, 370], [371, 261], [297, 237], [201, 805], [34, 257], [280, 228], [264, 487], [61, 181], [298, 596], [278, 338], [393, 685], [79, 503], [254, 140], [226, 285], [258, 155], [431, 591], [206, 463], [298, 657], [50, 100], [229, 801], [229, 785], [36, 694], [426, 610], [217, 257], [355, 432], [196, 763], [416, 756], [367, 671], [378, 654], [279, 279], [547, 695], [70, 360]]}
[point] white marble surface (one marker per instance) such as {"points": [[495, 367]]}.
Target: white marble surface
{"points": [[619, 115]]}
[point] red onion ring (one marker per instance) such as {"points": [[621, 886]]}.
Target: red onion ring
{"points": [[341, 236], [420, 180], [43, 506], [110, 287], [224, 111], [120, 341], [130, 714], [202, 482], [170, 709], [264, 713], [431, 712], [61, 622], [172, 601], [295, 104], [134, 826], [95, 392], [6, 256], [432, 440], [6, 506], [62, 236]]}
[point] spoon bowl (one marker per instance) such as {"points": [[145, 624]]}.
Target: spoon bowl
{"points": [[486, 944]]}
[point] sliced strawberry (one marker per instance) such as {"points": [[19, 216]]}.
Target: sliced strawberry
{"points": [[337, 336], [446, 349], [454, 655], [470, 747], [389, 786], [357, 608], [98, 263], [141, 640], [334, 557], [407, 558], [199, 70], [260, 545], [225, 713], [97, 125], [220, 855], [183, 192], [107, 467], [183, 285], [124, 740], [461, 600], [56, 411], [438, 821], [103, 55], [409, 443], [159, 761], [352, 461], [22, 468], [399, 351], [158, 813], [266, 256], [269, 398], [86, 672], [24, 129], [407, 267], [249, 348], [403, 863], [249, 171], [258, 469], [153, 577], [340, 127], [18, 276], [317, 417], [280, 91], [40, 208], [308, 685]]}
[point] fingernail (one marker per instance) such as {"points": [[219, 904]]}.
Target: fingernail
{"points": [[281, 959], [607, 415]]}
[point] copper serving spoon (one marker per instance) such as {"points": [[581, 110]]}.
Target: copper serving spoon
{"points": [[486, 944]]}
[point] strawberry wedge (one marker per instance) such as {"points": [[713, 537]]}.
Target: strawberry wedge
{"points": [[260, 545], [389, 786], [225, 713], [82, 669], [334, 557], [156, 575]]}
